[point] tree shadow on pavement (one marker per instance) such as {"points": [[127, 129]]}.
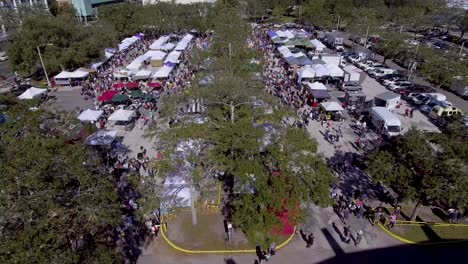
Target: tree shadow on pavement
{"points": [[229, 261], [352, 178], [438, 253]]}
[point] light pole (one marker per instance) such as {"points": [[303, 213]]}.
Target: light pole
{"points": [[461, 49], [42, 62], [413, 64]]}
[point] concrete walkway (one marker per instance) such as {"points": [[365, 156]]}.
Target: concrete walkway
{"points": [[327, 244]]}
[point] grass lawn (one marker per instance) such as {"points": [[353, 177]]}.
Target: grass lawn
{"points": [[431, 233], [208, 234]]}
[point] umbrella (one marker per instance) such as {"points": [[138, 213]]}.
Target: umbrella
{"points": [[118, 85], [107, 96], [118, 98], [132, 85], [136, 94], [147, 97], [154, 85]]}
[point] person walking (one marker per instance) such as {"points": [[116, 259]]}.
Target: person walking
{"points": [[411, 113], [358, 237], [347, 234], [310, 240], [392, 220], [346, 214]]}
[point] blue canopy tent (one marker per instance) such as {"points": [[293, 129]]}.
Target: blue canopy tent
{"points": [[272, 33]]}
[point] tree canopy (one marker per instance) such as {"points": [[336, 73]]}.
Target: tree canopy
{"points": [[57, 205], [72, 44], [424, 168], [270, 168]]}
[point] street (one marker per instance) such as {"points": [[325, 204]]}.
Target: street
{"points": [[451, 97]]}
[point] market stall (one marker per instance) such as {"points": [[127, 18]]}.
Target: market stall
{"points": [[333, 110], [32, 93], [90, 115]]}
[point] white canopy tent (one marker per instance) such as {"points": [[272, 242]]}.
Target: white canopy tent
{"points": [[159, 43], [176, 193], [320, 70], [127, 42], [90, 115], [306, 72], [331, 106], [32, 92], [335, 71], [163, 72], [142, 75], [184, 42], [285, 51], [137, 63], [316, 86], [122, 115], [78, 74], [173, 57], [102, 138], [319, 46]]}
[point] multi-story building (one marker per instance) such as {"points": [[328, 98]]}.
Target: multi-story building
{"points": [[149, 2], [87, 8], [12, 6], [458, 3]]}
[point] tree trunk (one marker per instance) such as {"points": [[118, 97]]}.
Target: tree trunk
{"points": [[415, 211], [462, 34], [193, 196], [384, 60], [232, 113]]}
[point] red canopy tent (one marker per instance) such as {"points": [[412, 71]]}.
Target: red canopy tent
{"points": [[107, 96], [154, 85], [132, 85], [118, 85]]}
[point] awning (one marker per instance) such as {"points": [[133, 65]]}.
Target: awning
{"points": [[107, 96], [118, 98], [32, 93], [118, 85], [101, 138], [163, 72], [320, 94], [90, 115], [142, 75], [132, 85], [121, 115], [331, 106], [136, 94], [316, 86]]}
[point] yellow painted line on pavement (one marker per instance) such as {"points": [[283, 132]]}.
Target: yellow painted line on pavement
{"points": [[219, 194], [395, 236], [174, 246], [404, 240]]}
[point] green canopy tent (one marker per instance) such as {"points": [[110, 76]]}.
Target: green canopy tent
{"points": [[136, 94], [148, 97], [119, 98]]}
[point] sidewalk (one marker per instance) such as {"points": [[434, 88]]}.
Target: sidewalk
{"points": [[327, 244]]}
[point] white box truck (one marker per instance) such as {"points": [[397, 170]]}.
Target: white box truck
{"points": [[334, 40], [385, 122]]}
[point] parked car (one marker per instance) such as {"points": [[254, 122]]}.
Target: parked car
{"points": [[374, 65], [415, 89], [439, 110], [352, 58], [378, 72], [339, 48], [381, 79], [392, 81], [350, 87], [424, 98], [399, 85], [3, 56], [428, 107], [363, 64]]}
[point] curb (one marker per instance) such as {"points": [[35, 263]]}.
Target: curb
{"points": [[174, 246], [404, 240]]}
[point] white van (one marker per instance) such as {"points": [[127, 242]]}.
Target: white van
{"points": [[385, 122], [381, 72]]}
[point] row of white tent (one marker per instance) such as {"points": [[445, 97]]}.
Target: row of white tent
{"points": [[319, 70], [126, 43], [163, 43], [89, 115]]}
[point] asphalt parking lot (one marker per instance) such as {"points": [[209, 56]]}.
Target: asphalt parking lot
{"points": [[68, 99]]}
